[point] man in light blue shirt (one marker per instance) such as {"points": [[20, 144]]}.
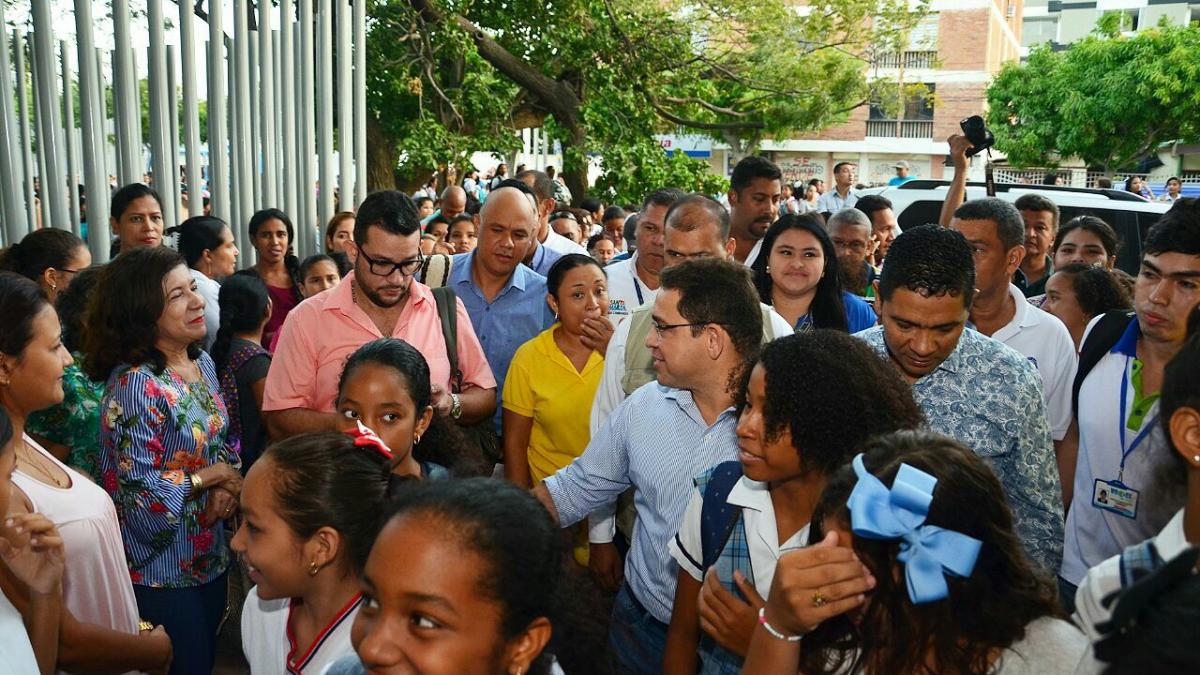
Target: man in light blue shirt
{"points": [[901, 176], [972, 388], [505, 299], [707, 326]]}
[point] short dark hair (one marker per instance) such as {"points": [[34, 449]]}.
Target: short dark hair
{"points": [[751, 168], [125, 196], [832, 392], [260, 217], [568, 262], [442, 443], [930, 260], [243, 302], [307, 263], [715, 210], [72, 303], [421, 201], [199, 234], [6, 430], [1036, 202], [613, 212], [715, 291], [838, 167], [40, 250], [1010, 228], [1102, 230], [391, 210], [20, 301], [662, 197], [1097, 290], [591, 204], [122, 319], [325, 480], [543, 184], [596, 239], [1177, 231], [871, 204], [510, 531]]}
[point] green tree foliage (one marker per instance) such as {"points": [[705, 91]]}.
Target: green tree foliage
{"points": [[606, 75], [1107, 99]]}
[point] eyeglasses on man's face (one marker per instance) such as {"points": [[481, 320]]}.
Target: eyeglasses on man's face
{"points": [[383, 268], [660, 329]]}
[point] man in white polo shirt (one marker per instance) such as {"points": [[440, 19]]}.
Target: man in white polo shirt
{"points": [[633, 282], [996, 233], [1121, 448]]}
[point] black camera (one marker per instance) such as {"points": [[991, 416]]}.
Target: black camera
{"points": [[977, 132]]}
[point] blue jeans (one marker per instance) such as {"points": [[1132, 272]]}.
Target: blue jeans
{"points": [[190, 616], [636, 639]]}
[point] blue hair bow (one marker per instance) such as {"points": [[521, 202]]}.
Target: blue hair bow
{"points": [[928, 552]]}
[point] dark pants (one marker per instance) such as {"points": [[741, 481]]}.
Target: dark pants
{"points": [[1066, 595], [190, 616], [636, 638]]}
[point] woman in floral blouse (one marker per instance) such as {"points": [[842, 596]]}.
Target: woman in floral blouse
{"points": [[163, 454]]}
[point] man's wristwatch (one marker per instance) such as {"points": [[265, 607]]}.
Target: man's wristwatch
{"points": [[455, 406]]}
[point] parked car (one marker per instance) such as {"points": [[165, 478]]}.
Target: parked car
{"points": [[918, 202]]}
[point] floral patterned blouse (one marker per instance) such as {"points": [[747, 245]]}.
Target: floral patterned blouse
{"points": [[74, 423], [155, 430]]}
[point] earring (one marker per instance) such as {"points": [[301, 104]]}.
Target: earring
{"points": [[53, 286], [313, 568], [518, 671], [1195, 458], [768, 269], [416, 439]]}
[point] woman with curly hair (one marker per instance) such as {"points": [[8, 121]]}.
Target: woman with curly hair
{"points": [[1078, 293], [807, 406], [914, 568], [164, 458]]}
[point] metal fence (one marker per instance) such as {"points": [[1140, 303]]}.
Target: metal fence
{"points": [[271, 108]]}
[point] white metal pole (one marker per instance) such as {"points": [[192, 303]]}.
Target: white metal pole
{"points": [[11, 171], [345, 106], [93, 134], [244, 191], [305, 104], [26, 141], [68, 100], [162, 163], [218, 162], [191, 109], [266, 104], [126, 100], [325, 110], [360, 102]]}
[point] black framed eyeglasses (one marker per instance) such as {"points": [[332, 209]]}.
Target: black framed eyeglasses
{"points": [[384, 268], [661, 328]]}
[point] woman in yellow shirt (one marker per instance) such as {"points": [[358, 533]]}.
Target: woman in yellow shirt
{"points": [[553, 378]]}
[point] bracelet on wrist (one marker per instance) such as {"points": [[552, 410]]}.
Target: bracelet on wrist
{"points": [[772, 631], [197, 482]]}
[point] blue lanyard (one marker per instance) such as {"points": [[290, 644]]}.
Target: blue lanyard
{"points": [[637, 287], [1147, 426]]}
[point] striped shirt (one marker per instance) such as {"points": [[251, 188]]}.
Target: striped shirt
{"points": [[657, 442]]}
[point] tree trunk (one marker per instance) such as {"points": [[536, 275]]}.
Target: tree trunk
{"points": [[575, 163], [381, 157]]}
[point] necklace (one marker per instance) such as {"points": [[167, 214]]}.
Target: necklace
{"points": [[37, 465]]}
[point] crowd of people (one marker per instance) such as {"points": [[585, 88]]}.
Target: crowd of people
{"points": [[488, 431]]}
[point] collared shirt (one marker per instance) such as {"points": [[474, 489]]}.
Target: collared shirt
{"points": [[754, 253], [989, 397], [270, 645], [762, 533], [626, 290], [544, 385], [1046, 342], [324, 330], [543, 259], [557, 242], [515, 316], [1031, 289], [832, 202], [657, 442], [1093, 534]]}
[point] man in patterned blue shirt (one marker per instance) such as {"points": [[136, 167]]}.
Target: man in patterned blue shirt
{"points": [[707, 327], [971, 387]]}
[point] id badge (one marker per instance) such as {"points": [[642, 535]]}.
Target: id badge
{"points": [[1116, 497]]}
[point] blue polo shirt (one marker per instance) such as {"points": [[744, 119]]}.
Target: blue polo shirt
{"points": [[517, 315]]}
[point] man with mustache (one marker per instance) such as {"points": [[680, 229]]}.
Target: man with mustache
{"points": [[755, 189], [378, 299]]}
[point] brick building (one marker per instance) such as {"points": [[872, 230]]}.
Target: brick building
{"points": [[954, 52]]}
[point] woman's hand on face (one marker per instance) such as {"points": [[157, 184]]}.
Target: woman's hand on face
{"points": [[596, 333], [814, 584], [32, 548]]}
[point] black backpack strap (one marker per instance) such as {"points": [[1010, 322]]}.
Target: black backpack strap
{"points": [[717, 516], [447, 306], [1106, 333]]}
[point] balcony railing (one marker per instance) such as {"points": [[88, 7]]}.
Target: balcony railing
{"points": [[905, 128], [910, 59]]}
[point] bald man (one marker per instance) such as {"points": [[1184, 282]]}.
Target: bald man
{"points": [[505, 299], [454, 202]]}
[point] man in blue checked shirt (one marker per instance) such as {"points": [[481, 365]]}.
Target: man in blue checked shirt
{"points": [[707, 326]]}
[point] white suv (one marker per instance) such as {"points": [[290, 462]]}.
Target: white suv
{"points": [[918, 202]]}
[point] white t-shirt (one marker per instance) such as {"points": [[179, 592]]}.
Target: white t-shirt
{"points": [[626, 291], [560, 244], [754, 253], [268, 644], [1093, 534], [1044, 340], [16, 653], [762, 534], [210, 291]]}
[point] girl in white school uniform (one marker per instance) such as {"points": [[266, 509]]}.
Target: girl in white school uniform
{"points": [[311, 508]]}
